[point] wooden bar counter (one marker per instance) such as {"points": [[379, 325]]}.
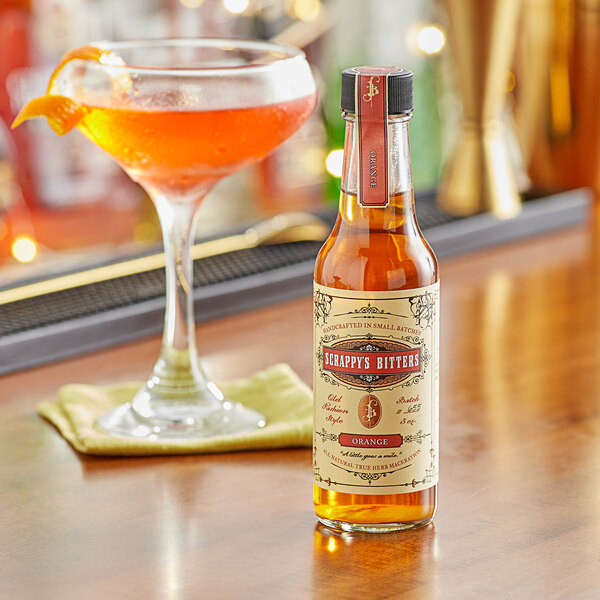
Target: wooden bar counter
{"points": [[519, 494]]}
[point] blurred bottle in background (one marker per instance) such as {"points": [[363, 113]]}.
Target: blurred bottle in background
{"points": [[74, 194], [557, 92], [16, 230]]}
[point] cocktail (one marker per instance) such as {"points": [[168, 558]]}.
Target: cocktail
{"points": [[179, 115]]}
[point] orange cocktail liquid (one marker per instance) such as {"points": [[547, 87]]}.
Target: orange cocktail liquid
{"points": [[173, 149]]}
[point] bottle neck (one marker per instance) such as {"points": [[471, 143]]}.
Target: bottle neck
{"points": [[399, 211]]}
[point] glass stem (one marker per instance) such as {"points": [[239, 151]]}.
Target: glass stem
{"points": [[178, 222], [177, 376]]}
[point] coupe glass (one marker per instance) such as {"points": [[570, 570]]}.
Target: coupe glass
{"points": [[178, 115]]}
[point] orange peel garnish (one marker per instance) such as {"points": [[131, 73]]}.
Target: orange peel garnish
{"points": [[61, 112], [80, 53]]}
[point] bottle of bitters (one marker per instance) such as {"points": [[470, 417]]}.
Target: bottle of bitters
{"points": [[376, 326]]}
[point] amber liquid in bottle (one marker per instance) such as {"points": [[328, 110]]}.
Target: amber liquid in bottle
{"points": [[376, 249]]}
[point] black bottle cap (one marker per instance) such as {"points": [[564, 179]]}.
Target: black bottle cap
{"points": [[400, 91]]}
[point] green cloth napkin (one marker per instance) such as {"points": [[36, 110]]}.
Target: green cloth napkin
{"points": [[277, 392]]}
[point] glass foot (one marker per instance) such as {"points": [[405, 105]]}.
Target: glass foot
{"points": [[179, 402], [229, 418]]}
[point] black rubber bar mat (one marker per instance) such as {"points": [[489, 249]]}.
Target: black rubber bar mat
{"points": [[72, 321]]}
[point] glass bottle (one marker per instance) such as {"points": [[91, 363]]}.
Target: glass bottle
{"points": [[376, 305]]}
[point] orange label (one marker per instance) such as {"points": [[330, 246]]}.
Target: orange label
{"points": [[371, 104], [376, 390]]}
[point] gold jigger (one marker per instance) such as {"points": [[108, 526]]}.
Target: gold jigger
{"points": [[479, 176]]}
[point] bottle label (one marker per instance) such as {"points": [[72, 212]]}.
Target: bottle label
{"points": [[376, 390], [371, 102]]}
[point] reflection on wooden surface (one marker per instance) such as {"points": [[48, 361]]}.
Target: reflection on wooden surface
{"points": [[519, 513], [407, 562]]}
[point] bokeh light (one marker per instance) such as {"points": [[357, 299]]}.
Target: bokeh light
{"points": [[24, 249], [236, 7], [334, 162], [430, 39], [313, 160], [306, 10]]}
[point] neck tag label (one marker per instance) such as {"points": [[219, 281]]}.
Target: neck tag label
{"points": [[371, 102]]}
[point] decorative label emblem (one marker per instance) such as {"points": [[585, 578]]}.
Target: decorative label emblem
{"points": [[369, 411], [371, 89]]}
